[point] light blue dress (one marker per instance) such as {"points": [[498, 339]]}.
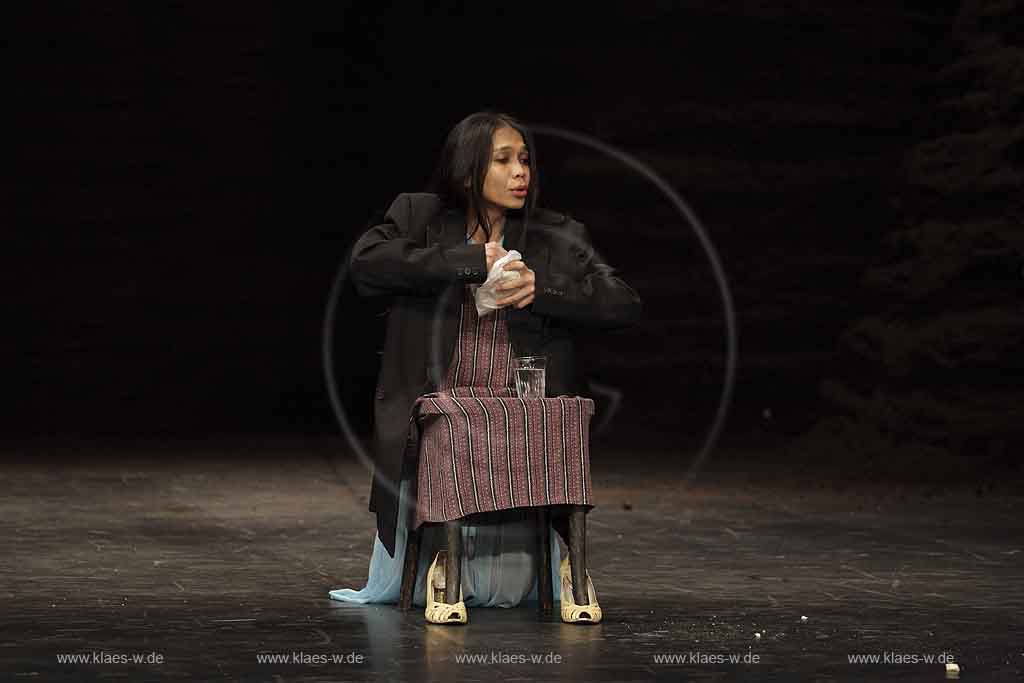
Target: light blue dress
{"points": [[498, 563]]}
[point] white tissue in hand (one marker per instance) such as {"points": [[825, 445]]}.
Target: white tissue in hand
{"points": [[486, 295]]}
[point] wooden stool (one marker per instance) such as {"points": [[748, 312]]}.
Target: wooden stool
{"points": [[542, 520]]}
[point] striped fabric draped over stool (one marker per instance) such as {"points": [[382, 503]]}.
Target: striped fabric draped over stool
{"points": [[482, 449]]}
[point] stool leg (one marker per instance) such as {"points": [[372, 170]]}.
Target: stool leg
{"points": [[409, 568], [578, 554], [453, 566], [412, 538], [544, 596]]}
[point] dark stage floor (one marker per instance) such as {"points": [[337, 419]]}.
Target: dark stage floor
{"points": [[212, 555]]}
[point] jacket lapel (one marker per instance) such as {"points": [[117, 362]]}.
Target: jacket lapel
{"points": [[513, 234], [444, 320]]}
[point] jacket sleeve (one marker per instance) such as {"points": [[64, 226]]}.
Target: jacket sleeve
{"points": [[589, 293], [385, 260]]}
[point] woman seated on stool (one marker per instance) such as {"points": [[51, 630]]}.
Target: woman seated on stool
{"points": [[450, 432]]}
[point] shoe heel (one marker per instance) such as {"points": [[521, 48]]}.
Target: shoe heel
{"points": [[571, 612], [437, 610]]}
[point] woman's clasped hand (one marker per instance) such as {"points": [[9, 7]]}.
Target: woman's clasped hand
{"points": [[516, 291]]}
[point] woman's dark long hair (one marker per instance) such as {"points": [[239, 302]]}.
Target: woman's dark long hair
{"points": [[466, 155]]}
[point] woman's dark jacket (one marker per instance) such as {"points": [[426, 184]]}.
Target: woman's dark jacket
{"points": [[419, 256]]}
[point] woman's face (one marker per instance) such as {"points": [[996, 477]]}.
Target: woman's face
{"points": [[508, 176]]}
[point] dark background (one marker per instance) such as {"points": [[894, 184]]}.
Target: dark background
{"points": [[188, 178]]}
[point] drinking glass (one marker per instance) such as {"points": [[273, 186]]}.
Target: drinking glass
{"points": [[528, 372]]}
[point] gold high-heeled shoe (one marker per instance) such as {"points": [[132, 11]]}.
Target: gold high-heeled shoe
{"points": [[437, 610], [571, 612]]}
